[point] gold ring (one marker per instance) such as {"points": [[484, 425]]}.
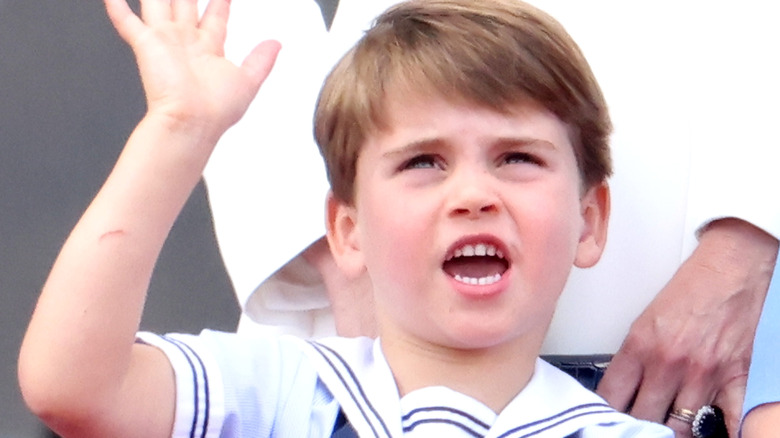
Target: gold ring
{"points": [[684, 415]]}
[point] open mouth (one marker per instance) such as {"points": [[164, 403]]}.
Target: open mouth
{"points": [[476, 264]]}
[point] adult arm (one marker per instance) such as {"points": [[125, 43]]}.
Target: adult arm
{"points": [[79, 368], [691, 346]]}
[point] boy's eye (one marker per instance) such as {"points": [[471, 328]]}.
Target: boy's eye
{"points": [[425, 161], [520, 158]]}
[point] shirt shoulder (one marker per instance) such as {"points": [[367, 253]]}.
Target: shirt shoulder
{"points": [[230, 385]]}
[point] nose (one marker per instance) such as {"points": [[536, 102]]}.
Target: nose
{"points": [[473, 195]]}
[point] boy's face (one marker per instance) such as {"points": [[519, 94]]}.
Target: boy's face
{"points": [[448, 180]]}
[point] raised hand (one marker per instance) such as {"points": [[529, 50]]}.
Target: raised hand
{"points": [[94, 379], [181, 60]]}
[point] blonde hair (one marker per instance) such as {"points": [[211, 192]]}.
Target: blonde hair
{"points": [[493, 53]]}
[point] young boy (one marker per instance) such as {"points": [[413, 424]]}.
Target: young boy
{"points": [[466, 146]]}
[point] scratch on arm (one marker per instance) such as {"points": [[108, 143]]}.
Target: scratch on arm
{"points": [[112, 233]]}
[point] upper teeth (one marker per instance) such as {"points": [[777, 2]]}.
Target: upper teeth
{"points": [[480, 249]]}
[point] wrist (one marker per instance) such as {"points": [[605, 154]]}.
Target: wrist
{"points": [[739, 236], [198, 128], [736, 247], [188, 141]]}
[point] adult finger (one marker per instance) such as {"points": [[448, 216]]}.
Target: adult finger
{"points": [[621, 381], [694, 394], [730, 398], [656, 395], [185, 11]]}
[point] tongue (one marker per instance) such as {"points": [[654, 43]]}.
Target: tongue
{"points": [[475, 267]]}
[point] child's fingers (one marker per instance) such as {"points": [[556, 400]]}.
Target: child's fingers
{"points": [[126, 23], [185, 11], [156, 11], [214, 22], [258, 64]]}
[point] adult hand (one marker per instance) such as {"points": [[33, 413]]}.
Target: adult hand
{"points": [[691, 346], [181, 60]]}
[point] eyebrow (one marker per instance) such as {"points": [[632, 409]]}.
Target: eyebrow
{"points": [[500, 143], [413, 147], [525, 142]]}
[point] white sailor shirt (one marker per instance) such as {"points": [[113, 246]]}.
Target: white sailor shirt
{"points": [[232, 386]]}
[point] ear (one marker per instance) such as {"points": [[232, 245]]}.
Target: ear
{"points": [[594, 207], [342, 234]]}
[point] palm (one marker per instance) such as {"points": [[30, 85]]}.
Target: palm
{"points": [[181, 62]]}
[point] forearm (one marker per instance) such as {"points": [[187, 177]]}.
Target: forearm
{"points": [[77, 351], [79, 367], [740, 252]]}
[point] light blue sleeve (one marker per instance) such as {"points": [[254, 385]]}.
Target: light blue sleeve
{"points": [[764, 376]]}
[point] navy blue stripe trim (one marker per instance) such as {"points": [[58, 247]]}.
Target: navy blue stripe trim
{"points": [[187, 351], [194, 384], [319, 347], [462, 426], [558, 423], [463, 414], [567, 419]]}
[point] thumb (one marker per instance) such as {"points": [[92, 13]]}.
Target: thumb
{"points": [[258, 64]]}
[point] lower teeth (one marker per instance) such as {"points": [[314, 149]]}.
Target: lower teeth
{"points": [[478, 281]]}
